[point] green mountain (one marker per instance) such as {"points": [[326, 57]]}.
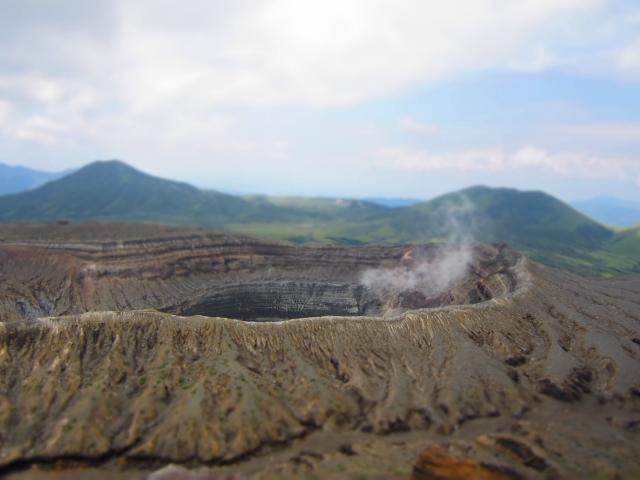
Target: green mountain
{"points": [[625, 242], [322, 209], [114, 191], [537, 224]]}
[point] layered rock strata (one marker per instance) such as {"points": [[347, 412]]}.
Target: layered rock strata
{"points": [[148, 388], [215, 274]]}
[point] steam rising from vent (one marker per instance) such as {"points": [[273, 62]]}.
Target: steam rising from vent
{"points": [[280, 282], [434, 276], [430, 278], [456, 219]]}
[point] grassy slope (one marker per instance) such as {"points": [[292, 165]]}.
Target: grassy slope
{"points": [[111, 190], [321, 209], [114, 191], [625, 242], [539, 225]]}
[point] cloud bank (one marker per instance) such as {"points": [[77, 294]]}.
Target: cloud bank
{"points": [[410, 125], [193, 87], [76, 65], [497, 159]]}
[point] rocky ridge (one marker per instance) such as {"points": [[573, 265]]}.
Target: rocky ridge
{"points": [[82, 382]]}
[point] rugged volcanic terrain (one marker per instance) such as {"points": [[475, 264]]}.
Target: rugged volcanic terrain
{"points": [[424, 360]]}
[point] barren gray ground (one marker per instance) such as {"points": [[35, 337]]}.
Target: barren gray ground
{"points": [[514, 369]]}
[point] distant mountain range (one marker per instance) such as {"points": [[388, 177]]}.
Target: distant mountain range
{"points": [[610, 211], [607, 210], [538, 224], [114, 191], [19, 179]]}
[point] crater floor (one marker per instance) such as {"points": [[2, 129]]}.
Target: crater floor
{"points": [[116, 356]]}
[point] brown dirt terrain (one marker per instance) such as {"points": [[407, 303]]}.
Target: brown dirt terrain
{"points": [[511, 369]]}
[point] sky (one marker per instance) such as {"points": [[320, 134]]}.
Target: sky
{"points": [[347, 98]]}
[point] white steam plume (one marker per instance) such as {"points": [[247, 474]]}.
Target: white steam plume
{"points": [[432, 276]]}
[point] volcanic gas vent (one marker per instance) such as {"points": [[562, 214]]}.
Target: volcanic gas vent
{"points": [[418, 277], [68, 270]]}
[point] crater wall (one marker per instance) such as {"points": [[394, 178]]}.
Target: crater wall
{"points": [[233, 276], [543, 376]]}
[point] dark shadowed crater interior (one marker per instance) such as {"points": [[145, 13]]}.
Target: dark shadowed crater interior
{"points": [[415, 281], [52, 271]]}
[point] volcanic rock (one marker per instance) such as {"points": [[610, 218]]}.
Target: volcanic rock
{"points": [[110, 358], [69, 271], [435, 462]]}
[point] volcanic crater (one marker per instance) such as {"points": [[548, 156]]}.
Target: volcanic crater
{"points": [[221, 275], [124, 348]]}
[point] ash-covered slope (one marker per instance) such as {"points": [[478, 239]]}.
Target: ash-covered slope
{"points": [[540, 381], [65, 270]]}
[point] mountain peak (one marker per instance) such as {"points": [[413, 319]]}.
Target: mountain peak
{"points": [[105, 190], [109, 167]]}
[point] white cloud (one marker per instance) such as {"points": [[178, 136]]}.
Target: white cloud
{"points": [[615, 133], [333, 52], [280, 150], [177, 71], [5, 112], [41, 129], [497, 159], [628, 59], [539, 60], [413, 126], [69, 111]]}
